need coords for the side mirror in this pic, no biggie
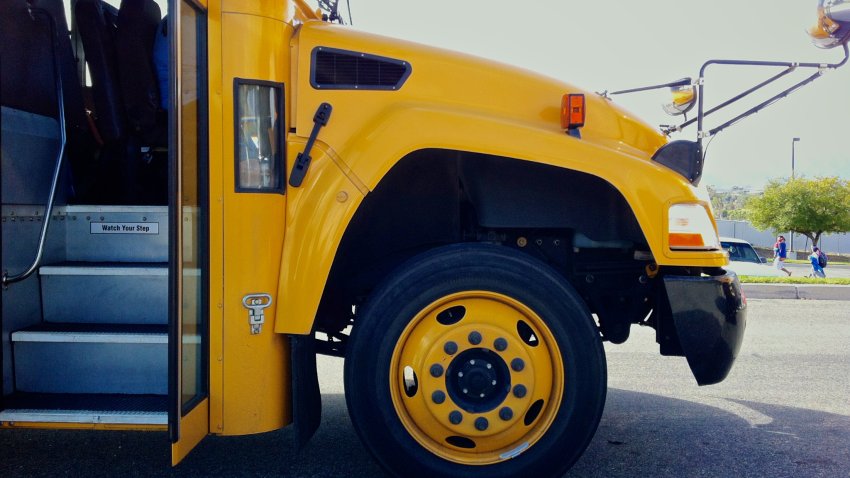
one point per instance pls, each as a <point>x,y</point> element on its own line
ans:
<point>763,260</point>
<point>684,97</point>
<point>833,24</point>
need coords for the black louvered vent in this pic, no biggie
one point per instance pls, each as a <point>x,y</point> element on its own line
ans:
<point>351,70</point>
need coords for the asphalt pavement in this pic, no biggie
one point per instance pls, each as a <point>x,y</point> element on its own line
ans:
<point>782,412</point>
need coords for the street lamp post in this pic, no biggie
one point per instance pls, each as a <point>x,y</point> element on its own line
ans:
<point>793,144</point>
<point>791,233</point>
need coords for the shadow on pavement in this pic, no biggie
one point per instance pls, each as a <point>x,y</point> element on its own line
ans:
<point>649,435</point>
<point>640,435</point>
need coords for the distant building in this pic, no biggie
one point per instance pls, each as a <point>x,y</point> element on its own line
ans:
<point>830,243</point>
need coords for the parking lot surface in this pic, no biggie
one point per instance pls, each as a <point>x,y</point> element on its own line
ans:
<point>782,412</point>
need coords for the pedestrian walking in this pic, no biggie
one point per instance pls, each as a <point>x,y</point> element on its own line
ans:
<point>815,259</point>
<point>780,253</point>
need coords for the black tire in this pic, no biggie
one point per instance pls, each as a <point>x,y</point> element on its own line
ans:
<point>454,269</point>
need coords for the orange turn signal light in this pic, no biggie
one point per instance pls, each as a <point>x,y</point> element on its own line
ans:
<point>572,111</point>
<point>685,240</point>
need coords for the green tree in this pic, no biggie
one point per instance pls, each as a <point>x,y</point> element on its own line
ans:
<point>729,204</point>
<point>806,206</point>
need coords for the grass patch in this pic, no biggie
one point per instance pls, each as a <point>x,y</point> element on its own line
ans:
<point>807,261</point>
<point>793,280</point>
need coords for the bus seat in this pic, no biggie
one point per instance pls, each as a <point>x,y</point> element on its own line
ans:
<point>75,111</point>
<point>26,78</point>
<point>138,21</point>
<point>29,144</point>
<point>30,48</point>
<point>81,143</point>
<point>98,31</point>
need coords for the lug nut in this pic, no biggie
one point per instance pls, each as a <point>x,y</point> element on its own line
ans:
<point>455,417</point>
<point>438,397</point>
<point>450,348</point>
<point>436,370</point>
<point>481,424</point>
<point>517,365</point>
<point>520,391</point>
<point>506,413</point>
<point>474,337</point>
<point>500,344</point>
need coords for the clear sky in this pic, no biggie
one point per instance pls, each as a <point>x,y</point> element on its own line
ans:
<point>610,45</point>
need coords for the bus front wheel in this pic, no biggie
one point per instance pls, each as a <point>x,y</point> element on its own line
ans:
<point>474,359</point>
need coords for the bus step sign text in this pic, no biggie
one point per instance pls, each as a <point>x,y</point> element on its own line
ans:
<point>125,228</point>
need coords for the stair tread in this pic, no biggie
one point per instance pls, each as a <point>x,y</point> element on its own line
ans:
<point>105,268</point>
<point>84,208</point>
<point>85,408</point>
<point>93,332</point>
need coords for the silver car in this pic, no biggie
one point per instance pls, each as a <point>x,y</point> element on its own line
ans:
<point>745,261</point>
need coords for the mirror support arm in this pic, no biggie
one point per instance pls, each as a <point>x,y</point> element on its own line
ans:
<point>731,100</point>
<point>790,67</point>
<point>682,82</point>
<point>766,103</point>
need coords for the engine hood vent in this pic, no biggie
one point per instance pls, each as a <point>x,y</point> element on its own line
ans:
<point>334,69</point>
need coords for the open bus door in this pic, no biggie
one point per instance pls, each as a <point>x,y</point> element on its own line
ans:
<point>188,288</point>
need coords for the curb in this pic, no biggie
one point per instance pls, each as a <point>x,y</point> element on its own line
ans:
<point>797,291</point>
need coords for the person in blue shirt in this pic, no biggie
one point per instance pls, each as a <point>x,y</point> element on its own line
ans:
<point>780,251</point>
<point>817,270</point>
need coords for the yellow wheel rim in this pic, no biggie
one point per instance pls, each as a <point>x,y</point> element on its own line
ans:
<point>476,378</point>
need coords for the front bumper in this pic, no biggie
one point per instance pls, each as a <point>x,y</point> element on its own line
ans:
<point>709,315</point>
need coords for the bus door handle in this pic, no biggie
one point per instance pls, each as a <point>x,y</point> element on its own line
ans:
<point>256,305</point>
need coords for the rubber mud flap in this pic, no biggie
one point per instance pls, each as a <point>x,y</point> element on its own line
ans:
<point>710,315</point>
<point>306,397</point>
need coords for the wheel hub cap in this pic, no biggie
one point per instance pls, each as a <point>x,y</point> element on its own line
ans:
<point>478,380</point>
<point>489,377</point>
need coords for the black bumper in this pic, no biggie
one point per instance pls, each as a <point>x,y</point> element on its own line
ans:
<point>709,315</point>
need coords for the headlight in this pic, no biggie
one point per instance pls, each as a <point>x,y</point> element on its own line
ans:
<point>690,228</point>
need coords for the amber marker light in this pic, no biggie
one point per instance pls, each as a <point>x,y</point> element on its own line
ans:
<point>572,111</point>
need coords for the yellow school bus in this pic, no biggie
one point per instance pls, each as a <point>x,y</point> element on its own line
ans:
<point>200,196</point>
